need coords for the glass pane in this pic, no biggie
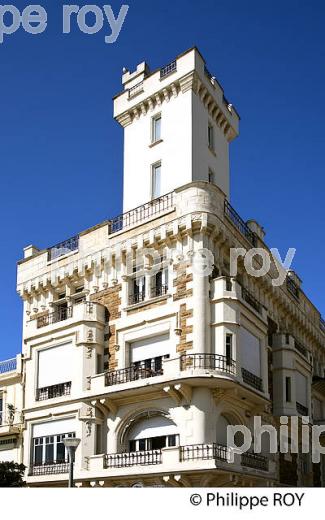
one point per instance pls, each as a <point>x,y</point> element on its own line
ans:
<point>156,182</point>
<point>49,453</point>
<point>38,455</point>
<point>157,129</point>
<point>60,452</point>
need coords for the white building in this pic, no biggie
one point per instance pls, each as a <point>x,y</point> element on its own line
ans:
<point>11,407</point>
<point>138,354</point>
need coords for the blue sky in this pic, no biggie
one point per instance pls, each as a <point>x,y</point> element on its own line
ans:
<point>61,151</point>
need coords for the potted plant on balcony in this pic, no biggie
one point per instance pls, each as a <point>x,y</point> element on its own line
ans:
<point>11,413</point>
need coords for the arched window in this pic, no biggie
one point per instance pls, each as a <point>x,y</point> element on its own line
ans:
<point>153,434</point>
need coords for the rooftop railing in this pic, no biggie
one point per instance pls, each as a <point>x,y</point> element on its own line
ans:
<point>208,362</point>
<point>168,69</point>
<point>252,380</point>
<point>141,213</point>
<point>63,248</point>
<point>136,458</point>
<point>232,214</point>
<point>9,365</point>
<point>135,90</point>
<point>322,324</point>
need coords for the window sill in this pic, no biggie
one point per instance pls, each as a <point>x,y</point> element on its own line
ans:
<point>151,145</point>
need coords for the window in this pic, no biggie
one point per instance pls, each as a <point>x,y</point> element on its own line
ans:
<point>250,352</point>
<point>50,449</point>
<point>54,370</point>
<point>288,389</point>
<point>156,128</point>
<point>211,177</point>
<point>156,181</point>
<point>210,137</point>
<point>138,290</point>
<point>160,283</point>
<point>1,409</point>
<point>228,348</point>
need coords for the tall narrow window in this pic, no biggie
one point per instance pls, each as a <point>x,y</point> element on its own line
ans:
<point>211,177</point>
<point>288,389</point>
<point>228,349</point>
<point>210,137</point>
<point>156,128</point>
<point>156,181</point>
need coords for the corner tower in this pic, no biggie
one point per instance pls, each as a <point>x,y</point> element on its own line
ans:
<point>177,129</point>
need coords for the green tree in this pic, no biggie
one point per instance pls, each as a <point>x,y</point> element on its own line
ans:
<point>11,474</point>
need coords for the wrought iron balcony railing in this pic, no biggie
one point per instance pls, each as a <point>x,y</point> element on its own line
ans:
<point>50,392</point>
<point>251,300</point>
<point>61,314</point>
<point>136,458</point>
<point>9,365</point>
<point>232,214</point>
<point>301,409</point>
<point>141,370</point>
<point>137,298</point>
<point>52,468</point>
<point>159,290</point>
<point>63,248</point>
<point>255,461</point>
<point>141,213</point>
<point>204,452</point>
<point>208,362</point>
<point>168,69</point>
<point>301,348</point>
<point>252,380</point>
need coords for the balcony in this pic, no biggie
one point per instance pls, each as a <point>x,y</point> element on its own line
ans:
<point>159,290</point>
<point>9,365</point>
<point>251,300</point>
<point>63,248</point>
<point>61,314</point>
<point>255,461</point>
<point>10,421</point>
<point>204,452</point>
<point>66,317</point>
<point>137,458</point>
<point>301,348</point>
<point>135,298</point>
<point>54,468</point>
<point>208,362</point>
<point>168,69</point>
<point>301,409</point>
<point>186,458</point>
<point>50,392</point>
<point>142,370</point>
<point>238,222</point>
<point>142,213</point>
<point>252,380</point>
